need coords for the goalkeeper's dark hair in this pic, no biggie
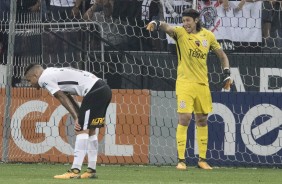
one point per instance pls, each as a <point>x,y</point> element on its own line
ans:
<point>194,14</point>
<point>30,67</point>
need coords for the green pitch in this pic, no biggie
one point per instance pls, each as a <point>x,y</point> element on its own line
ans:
<point>43,174</point>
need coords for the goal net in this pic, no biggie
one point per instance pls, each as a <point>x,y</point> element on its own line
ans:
<point>141,68</point>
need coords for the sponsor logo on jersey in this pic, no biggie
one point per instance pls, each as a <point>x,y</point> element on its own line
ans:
<point>197,53</point>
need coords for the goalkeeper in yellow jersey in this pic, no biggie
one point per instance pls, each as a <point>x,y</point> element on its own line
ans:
<point>193,43</point>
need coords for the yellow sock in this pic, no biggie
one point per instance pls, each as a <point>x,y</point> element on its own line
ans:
<point>202,139</point>
<point>181,139</point>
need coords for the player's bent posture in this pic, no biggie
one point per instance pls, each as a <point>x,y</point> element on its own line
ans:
<point>62,83</point>
<point>193,43</point>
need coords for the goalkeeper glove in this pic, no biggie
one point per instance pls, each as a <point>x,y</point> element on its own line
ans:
<point>226,81</point>
<point>153,25</point>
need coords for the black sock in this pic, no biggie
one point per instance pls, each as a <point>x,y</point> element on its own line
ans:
<point>90,170</point>
<point>181,160</point>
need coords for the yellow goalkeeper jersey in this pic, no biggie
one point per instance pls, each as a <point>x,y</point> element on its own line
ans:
<point>192,52</point>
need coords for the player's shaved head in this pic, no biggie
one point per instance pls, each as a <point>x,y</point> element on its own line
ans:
<point>32,68</point>
<point>32,74</point>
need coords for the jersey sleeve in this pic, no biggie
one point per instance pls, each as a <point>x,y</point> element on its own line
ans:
<point>214,43</point>
<point>178,32</point>
<point>47,82</point>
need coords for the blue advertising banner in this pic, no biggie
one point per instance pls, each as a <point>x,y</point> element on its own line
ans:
<point>244,130</point>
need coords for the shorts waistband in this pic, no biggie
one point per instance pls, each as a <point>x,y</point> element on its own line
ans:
<point>99,83</point>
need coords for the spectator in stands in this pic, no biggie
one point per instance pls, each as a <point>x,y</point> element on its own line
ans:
<point>240,5</point>
<point>60,40</point>
<point>27,9</point>
<point>129,12</point>
<point>61,10</point>
<point>23,8</point>
<point>80,6</point>
<point>36,6</point>
<point>113,33</point>
<point>101,11</point>
<point>267,17</point>
<point>122,12</point>
<point>227,6</point>
<point>105,6</point>
<point>271,24</point>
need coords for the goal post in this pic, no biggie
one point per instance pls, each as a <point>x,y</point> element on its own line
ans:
<point>141,69</point>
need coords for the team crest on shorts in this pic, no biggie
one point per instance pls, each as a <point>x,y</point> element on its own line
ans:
<point>182,104</point>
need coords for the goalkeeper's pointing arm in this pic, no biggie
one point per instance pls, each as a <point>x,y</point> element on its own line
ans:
<point>156,25</point>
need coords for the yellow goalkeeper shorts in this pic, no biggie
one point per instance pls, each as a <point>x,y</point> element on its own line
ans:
<point>193,97</point>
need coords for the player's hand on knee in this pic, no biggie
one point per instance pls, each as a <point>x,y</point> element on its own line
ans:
<point>226,79</point>
<point>77,126</point>
<point>153,25</point>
